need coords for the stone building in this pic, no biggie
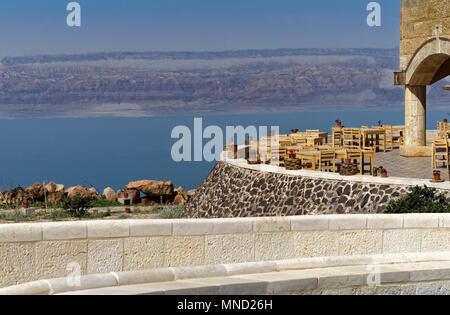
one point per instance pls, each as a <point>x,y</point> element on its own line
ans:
<point>424,60</point>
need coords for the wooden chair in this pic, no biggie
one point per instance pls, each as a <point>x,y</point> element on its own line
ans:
<point>367,155</point>
<point>314,141</point>
<point>300,141</point>
<point>352,138</point>
<point>356,157</point>
<point>362,158</point>
<point>393,139</point>
<point>443,130</point>
<point>337,137</point>
<point>327,161</point>
<point>278,155</point>
<point>440,153</point>
<point>308,162</point>
<point>265,149</point>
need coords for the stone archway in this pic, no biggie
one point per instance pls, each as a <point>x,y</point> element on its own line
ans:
<point>430,64</point>
<point>424,60</point>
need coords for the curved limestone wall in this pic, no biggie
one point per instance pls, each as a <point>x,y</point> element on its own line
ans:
<point>236,189</point>
<point>36,251</point>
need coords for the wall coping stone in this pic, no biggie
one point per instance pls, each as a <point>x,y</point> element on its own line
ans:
<point>419,267</point>
<point>51,231</point>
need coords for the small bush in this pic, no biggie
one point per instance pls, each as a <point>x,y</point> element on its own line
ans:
<point>171,213</point>
<point>420,200</point>
<point>77,206</point>
<point>103,203</point>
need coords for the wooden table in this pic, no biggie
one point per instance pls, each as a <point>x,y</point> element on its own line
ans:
<point>311,137</point>
<point>299,148</point>
<point>371,137</point>
<point>314,157</point>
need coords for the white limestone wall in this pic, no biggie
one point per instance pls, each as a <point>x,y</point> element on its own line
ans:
<point>35,251</point>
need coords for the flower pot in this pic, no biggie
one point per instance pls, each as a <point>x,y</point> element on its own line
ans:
<point>445,121</point>
<point>348,161</point>
<point>42,207</point>
<point>125,195</point>
<point>437,177</point>
<point>127,210</point>
<point>13,208</point>
<point>339,124</point>
<point>25,205</point>
<point>384,174</point>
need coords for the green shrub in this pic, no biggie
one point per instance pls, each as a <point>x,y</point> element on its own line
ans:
<point>103,203</point>
<point>77,206</point>
<point>171,213</point>
<point>420,200</point>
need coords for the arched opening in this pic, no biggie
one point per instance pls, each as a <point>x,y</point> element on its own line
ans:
<point>432,69</point>
<point>430,64</point>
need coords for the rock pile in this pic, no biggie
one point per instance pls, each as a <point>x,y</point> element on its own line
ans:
<point>155,192</point>
<point>147,192</point>
<point>35,193</point>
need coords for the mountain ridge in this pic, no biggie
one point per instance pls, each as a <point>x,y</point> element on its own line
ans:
<point>175,83</point>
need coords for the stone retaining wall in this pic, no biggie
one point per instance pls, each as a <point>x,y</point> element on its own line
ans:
<point>35,251</point>
<point>235,189</point>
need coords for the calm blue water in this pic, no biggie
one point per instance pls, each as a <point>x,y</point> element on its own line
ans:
<point>114,151</point>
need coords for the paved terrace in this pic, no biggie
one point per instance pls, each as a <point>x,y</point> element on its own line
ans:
<point>407,167</point>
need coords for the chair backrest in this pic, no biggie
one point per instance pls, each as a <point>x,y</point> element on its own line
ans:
<point>353,154</point>
<point>441,143</point>
<point>389,130</point>
<point>307,148</point>
<point>300,141</point>
<point>327,155</point>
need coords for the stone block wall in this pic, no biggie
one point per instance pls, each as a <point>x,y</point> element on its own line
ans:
<point>418,20</point>
<point>233,189</point>
<point>36,251</point>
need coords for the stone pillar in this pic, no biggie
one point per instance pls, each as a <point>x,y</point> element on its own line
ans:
<point>415,121</point>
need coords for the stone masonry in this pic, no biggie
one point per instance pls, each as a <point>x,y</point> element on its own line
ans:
<point>232,191</point>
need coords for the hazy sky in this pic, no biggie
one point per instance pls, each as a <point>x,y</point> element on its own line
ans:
<point>39,26</point>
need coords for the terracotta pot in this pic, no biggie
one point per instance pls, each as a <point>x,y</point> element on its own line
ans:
<point>13,208</point>
<point>445,121</point>
<point>384,174</point>
<point>127,210</point>
<point>125,196</point>
<point>437,177</point>
<point>339,124</point>
<point>348,161</point>
<point>42,207</point>
<point>25,205</point>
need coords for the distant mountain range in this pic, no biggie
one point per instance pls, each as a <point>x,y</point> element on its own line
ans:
<point>170,83</point>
